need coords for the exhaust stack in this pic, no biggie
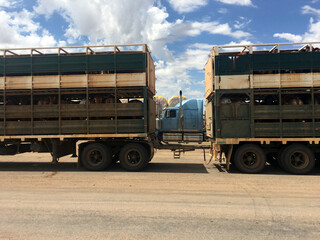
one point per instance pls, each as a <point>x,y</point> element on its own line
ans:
<point>180,113</point>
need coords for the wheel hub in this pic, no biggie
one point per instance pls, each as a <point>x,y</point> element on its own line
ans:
<point>134,157</point>
<point>96,157</point>
<point>298,160</point>
<point>249,158</point>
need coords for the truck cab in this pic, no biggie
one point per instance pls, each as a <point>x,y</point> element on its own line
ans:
<point>182,123</point>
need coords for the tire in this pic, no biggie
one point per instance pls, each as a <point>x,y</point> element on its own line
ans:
<point>8,150</point>
<point>249,158</point>
<point>134,157</point>
<point>280,156</point>
<point>298,159</point>
<point>96,157</point>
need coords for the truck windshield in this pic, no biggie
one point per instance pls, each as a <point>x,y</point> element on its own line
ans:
<point>171,114</point>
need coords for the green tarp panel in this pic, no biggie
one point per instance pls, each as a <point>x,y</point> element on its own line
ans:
<point>284,61</point>
<point>42,65</point>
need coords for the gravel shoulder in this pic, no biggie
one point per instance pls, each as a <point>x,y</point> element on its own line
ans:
<point>172,199</point>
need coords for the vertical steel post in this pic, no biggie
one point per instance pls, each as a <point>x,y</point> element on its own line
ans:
<point>115,91</point>
<point>59,92</point>
<point>280,112</point>
<point>4,94</point>
<point>145,104</point>
<point>87,95</point>
<point>313,113</point>
<point>31,95</point>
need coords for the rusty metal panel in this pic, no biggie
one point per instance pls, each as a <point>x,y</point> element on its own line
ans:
<point>266,112</point>
<point>209,77</point>
<point>151,78</point>
<point>297,129</point>
<point>102,126</point>
<point>45,111</point>
<point>18,127</point>
<point>235,128</point>
<point>18,112</point>
<point>265,129</point>
<point>303,112</point>
<point>131,126</point>
<point>152,115</point>
<point>122,109</point>
<point>73,110</point>
<point>45,127</point>
<point>210,120</point>
<point>73,126</point>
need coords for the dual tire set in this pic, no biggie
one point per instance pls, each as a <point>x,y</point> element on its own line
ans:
<point>99,156</point>
<point>295,158</point>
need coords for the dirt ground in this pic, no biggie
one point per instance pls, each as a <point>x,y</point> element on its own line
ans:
<point>171,199</point>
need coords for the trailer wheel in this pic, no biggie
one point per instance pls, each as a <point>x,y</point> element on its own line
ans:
<point>96,157</point>
<point>250,158</point>
<point>280,156</point>
<point>298,159</point>
<point>134,157</point>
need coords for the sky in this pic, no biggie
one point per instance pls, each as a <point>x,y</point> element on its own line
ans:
<point>179,33</point>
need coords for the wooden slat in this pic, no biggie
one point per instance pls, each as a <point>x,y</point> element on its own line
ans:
<point>296,80</point>
<point>316,79</point>
<point>73,81</point>
<point>77,81</point>
<point>234,82</point>
<point>40,82</point>
<point>18,82</point>
<point>131,79</point>
<point>2,82</point>
<point>266,81</point>
<point>102,80</point>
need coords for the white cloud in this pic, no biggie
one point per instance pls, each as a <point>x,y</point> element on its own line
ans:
<point>173,75</point>
<point>113,22</point>
<point>313,33</point>
<point>196,28</point>
<point>310,10</point>
<point>8,3</point>
<point>223,11</point>
<point>237,2</point>
<point>241,23</point>
<point>183,6</point>
<point>103,22</point>
<point>18,29</point>
<point>289,36</point>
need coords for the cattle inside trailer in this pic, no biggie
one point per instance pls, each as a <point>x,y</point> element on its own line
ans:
<point>99,96</point>
<point>263,105</point>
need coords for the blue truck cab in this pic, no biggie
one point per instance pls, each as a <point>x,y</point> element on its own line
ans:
<point>183,123</point>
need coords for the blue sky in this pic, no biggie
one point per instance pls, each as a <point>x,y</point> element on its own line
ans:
<point>180,33</point>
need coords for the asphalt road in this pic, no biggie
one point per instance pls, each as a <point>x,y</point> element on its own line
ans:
<point>172,199</point>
